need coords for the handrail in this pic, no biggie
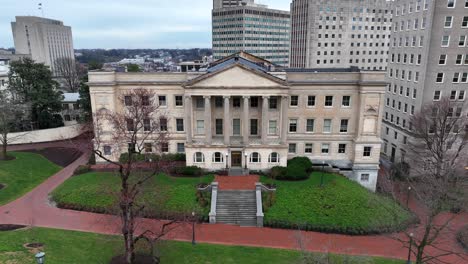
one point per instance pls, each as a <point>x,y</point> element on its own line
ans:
<point>214,198</point>
<point>258,196</point>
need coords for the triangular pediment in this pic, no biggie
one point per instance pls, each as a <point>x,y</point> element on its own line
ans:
<point>237,76</point>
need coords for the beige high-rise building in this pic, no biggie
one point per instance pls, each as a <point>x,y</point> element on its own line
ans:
<point>340,33</point>
<point>46,40</point>
<point>250,27</point>
<point>239,115</point>
<point>428,61</point>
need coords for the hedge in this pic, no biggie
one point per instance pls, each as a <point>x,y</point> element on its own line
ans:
<point>190,171</point>
<point>154,157</point>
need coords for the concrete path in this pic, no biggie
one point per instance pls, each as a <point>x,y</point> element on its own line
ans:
<point>35,209</point>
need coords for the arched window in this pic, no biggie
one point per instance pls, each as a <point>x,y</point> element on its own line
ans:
<point>198,157</point>
<point>274,158</point>
<point>255,157</point>
<point>218,157</point>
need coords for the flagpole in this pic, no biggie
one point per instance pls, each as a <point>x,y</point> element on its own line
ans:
<point>40,8</point>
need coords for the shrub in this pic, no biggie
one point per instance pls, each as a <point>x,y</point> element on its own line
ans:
<point>204,198</point>
<point>462,237</point>
<point>278,172</point>
<point>301,161</point>
<point>82,169</point>
<point>268,199</point>
<point>191,171</point>
<point>296,172</point>
<point>154,157</point>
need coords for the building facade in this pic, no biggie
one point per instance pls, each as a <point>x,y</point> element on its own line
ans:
<point>239,115</point>
<point>252,28</point>
<point>45,40</point>
<point>428,61</point>
<point>340,33</point>
<point>230,3</point>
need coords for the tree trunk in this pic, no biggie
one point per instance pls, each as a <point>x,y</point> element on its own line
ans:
<point>127,231</point>
<point>3,154</point>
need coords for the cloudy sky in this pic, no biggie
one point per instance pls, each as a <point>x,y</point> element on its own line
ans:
<point>122,23</point>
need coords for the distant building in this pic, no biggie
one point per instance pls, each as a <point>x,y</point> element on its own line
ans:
<point>256,29</point>
<point>428,61</point>
<point>70,108</point>
<point>6,57</point>
<point>340,33</point>
<point>46,40</point>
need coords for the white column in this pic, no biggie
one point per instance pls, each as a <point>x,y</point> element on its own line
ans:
<point>188,118</point>
<point>265,117</point>
<point>227,121</point>
<point>208,132</point>
<point>284,119</point>
<point>245,121</point>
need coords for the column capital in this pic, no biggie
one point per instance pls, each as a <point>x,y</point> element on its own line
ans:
<point>284,97</point>
<point>265,96</point>
<point>246,96</point>
<point>226,96</point>
<point>207,96</point>
<point>187,96</point>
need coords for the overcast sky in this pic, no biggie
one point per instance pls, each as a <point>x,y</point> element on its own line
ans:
<point>123,23</point>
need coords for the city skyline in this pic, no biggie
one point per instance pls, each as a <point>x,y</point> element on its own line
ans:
<point>125,25</point>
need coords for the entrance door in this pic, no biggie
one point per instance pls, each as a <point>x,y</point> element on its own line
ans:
<point>392,157</point>
<point>236,159</point>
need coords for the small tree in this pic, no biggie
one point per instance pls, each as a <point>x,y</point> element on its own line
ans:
<point>85,101</point>
<point>70,71</point>
<point>133,67</point>
<point>11,114</point>
<point>437,156</point>
<point>141,125</point>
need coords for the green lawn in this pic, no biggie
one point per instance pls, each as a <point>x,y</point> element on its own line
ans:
<point>73,247</point>
<point>165,196</point>
<point>341,206</point>
<point>24,173</point>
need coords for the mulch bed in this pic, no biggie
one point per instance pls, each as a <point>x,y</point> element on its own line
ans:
<point>60,156</point>
<point>7,227</point>
<point>140,259</point>
<point>34,245</point>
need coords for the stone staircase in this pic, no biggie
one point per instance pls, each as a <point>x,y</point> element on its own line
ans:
<point>236,207</point>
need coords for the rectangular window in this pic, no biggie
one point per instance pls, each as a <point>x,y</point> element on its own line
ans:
<point>365,177</point>
<point>327,125</point>
<point>367,151</point>
<point>308,148</point>
<point>442,59</point>
<point>146,125</point>
<point>325,148</point>
<point>311,100</point>
<point>130,125</point>
<point>162,100</point>
<point>272,127</point>
<point>440,77</point>
<point>131,148</point>
<point>456,77</point>
<point>459,59</point>
<point>341,148</point>
<point>107,150</point>
<point>163,124</point>
<point>180,148</point>
<point>128,100</point>
<point>253,127</point>
<point>200,102</point>
<point>218,102</point>
<point>164,147</point>
<point>453,95</point>
<point>465,22</point>
<point>344,126</point>
<point>180,125</point>
<point>179,100</point>
<point>200,127</point>
<point>219,126</point>
<point>451,3</point>
<point>461,41</point>
<point>346,101</point>
<point>328,101</point>
<point>236,127</point>
<point>292,125</point>
<point>292,148</point>
<point>445,41</point>
<point>464,77</point>
<point>148,147</point>
<point>310,125</point>
<point>294,100</point>
<point>254,102</point>
<point>236,102</point>
<point>461,95</point>
<point>437,95</point>
<point>273,103</point>
<point>448,21</point>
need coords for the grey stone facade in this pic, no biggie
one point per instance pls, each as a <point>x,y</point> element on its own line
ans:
<point>428,61</point>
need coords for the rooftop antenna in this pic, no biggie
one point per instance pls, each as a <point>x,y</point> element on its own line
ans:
<point>40,8</point>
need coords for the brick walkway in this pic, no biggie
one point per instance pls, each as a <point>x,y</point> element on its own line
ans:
<point>34,209</point>
<point>237,182</point>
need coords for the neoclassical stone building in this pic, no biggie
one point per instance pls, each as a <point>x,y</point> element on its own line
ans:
<point>241,114</point>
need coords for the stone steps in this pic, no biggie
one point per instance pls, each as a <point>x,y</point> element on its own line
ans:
<point>237,208</point>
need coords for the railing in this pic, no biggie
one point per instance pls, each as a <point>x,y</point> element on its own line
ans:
<point>258,196</point>
<point>214,198</point>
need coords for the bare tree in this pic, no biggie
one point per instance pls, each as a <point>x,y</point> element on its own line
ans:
<point>142,126</point>
<point>11,114</point>
<point>70,71</point>
<point>437,179</point>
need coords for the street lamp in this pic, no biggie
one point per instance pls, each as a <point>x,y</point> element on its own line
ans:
<point>245,155</point>
<point>227,156</point>
<point>407,197</point>
<point>193,229</point>
<point>409,251</point>
<point>40,257</point>
<point>321,176</point>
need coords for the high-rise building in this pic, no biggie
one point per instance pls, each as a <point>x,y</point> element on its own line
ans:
<point>428,61</point>
<point>340,33</point>
<point>256,29</point>
<point>46,40</point>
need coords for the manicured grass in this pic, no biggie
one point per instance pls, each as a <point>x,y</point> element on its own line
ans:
<point>73,247</point>
<point>340,206</point>
<point>24,173</point>
<point>164,196</point>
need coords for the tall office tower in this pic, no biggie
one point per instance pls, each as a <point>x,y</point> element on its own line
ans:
<point>340,33</point>
<point>253,28</point>
<point>229,3</point>
<point>46,40</point>
<point>428,61</point>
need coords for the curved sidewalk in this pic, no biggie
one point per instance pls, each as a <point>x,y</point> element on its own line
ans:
<point>35,209</point>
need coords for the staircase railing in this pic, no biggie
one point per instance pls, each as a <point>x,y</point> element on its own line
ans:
<point>214,198</point>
